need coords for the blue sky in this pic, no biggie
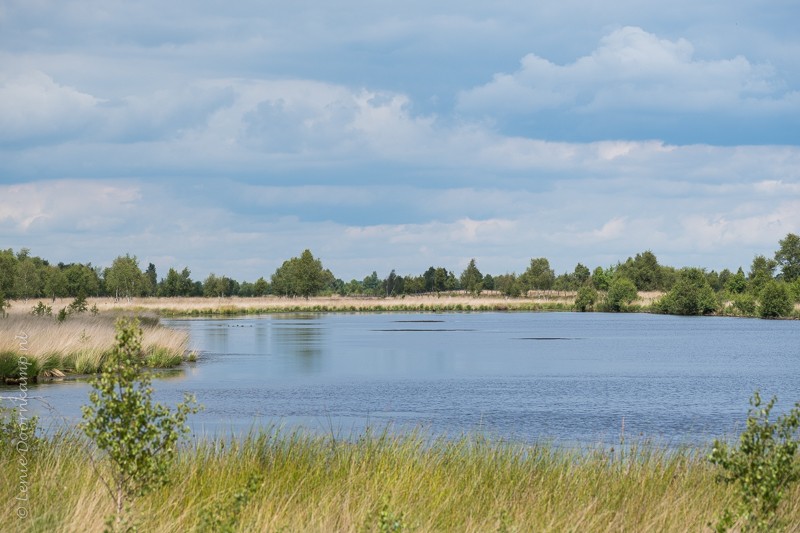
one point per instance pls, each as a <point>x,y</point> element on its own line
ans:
<point>379,135</point>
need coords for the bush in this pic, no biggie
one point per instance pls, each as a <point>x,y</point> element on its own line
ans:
<point>745,304</point>
<point>136,436</point>
<point>42,310</point>
<point>621,293</point>
<point>3,305</point>
<point>586,298</point>
<point>775,300</point>
<point>691,295</point>
<point>762,468</point>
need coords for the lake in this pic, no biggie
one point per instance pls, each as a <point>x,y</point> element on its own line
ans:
<point>572,378</point>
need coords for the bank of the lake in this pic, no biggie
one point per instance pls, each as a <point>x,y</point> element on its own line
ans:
<point>272,481</point>
<point>36,347</point>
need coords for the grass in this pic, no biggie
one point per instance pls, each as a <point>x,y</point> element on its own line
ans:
<point>78,345</point>
<point>277,481</point>
<point>445,302</point>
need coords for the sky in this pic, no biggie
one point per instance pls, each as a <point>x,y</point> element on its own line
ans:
<point>230,136</point>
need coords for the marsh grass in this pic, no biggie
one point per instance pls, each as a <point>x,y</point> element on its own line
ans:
<point>277,481</point>
<point>444,302</point>
<point>79,344</point>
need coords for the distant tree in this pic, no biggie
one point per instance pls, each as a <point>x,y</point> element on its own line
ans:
<point>300,276</point>
<point>621,292</point>
<point>28,282</point>
<point>219,286</point>
<point>508,284</point>
<point>761,271</point>
<point>581,275</point>
<point>124,279</point>
<point>260,287</point>
<point>171,285</point>
<point>55,283</point>
<point>601,279</point>
<point>691,295</point>
<point>8,271</point>
<point>391,285</point>
<point>81,279</point>
<point>737,283</point>
<point>788,257</point>
<point>643,270</point>
<point>538,276</point>
<point>371,284</point>
<point>776,300</point>
<point>151,280</point>
<point>488,282</point>
<point>586,298</point>
<point>472,279</point>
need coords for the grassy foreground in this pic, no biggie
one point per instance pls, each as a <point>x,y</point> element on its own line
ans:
<point>273,481</point>
<point>77,345</point>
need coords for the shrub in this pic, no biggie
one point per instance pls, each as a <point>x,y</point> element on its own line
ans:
<point>762,468</point>
<point>745,304</point>
<point>586,298</point>
<point>621,292</point>
<point>78,305</point>
<point>691,295</point>
<point>775,300</point>
<point>136,436</point>
<point>42,310</point>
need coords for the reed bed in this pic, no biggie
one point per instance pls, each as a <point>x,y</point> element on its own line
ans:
<point>277,481</point>
<point>79,344</point>
<point>451,302</point>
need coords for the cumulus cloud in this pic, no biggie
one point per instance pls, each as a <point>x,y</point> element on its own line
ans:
<point>633,69</point>
<point>34,106</point>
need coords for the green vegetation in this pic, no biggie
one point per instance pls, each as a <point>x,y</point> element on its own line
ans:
<point>689,291</point>
<point>690,295</point>
<point>271,480</point>
<point>586,298</point>
<point>762,468</point>
<point>135,437</point>
<point>621,293</point>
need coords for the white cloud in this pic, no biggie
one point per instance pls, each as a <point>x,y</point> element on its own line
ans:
<point>33,105</point>
<point>633,69</point>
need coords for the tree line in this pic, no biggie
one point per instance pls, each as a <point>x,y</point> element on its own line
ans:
<point>688,290</point>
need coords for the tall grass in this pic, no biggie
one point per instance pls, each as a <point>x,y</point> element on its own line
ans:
<point>277,481</point>
<point>79,344</point>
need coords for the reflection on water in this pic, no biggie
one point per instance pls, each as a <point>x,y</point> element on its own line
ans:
<point>523,376</point>
<point>300,338</point>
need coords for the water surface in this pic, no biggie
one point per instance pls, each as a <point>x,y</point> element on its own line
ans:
<point>568,377</point>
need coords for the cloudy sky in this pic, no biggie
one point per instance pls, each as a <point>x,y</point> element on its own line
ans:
<point>229,136</point>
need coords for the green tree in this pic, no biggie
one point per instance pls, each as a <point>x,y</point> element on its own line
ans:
<point>538,276</point>
<point>761,271</point>
<point>763,467</point>
<point>124,279</point>
<point>28,282</point>
<point>472,279</point>
<point>81,279</point>
<point>219,286</point>
<point>151,280</point>
<point>621,293</point>
<point>691,295</point>
<point>55,283</point>
<point>788,257</point>
<point>300,276</point>
<point>776,301</point>
<point>601,279</point>
<point>586,298</point>
<point>737,283</point>
<point>371,284</point>
<point>260,287</point>
<point>643,270</point>
<point>136,437</point>
<point>8,271</point>
<point>508,284</point>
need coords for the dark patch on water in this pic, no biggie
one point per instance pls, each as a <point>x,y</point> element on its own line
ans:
<point>420,329</point>
<point>417,321</point>
<point>546,338</point>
